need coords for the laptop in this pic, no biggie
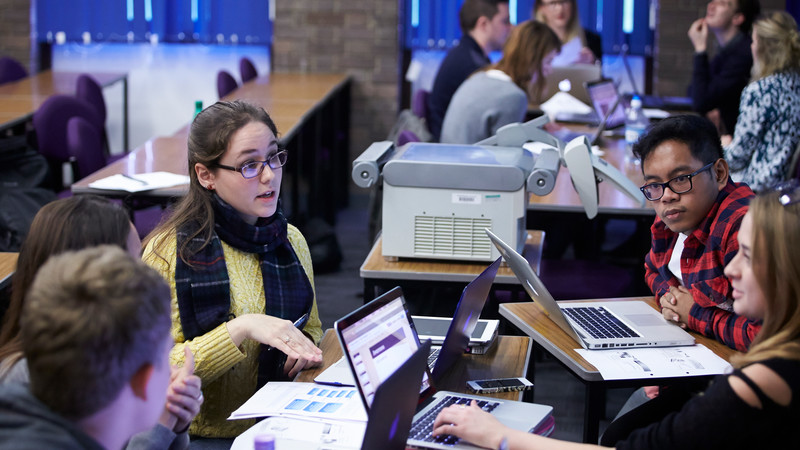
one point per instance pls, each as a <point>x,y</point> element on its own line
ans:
<point>608,108</point>
<point>596,325</point>
<point>577,75</point>
<point>392,411</point>
<point>459,332</point>
<point>380,336</point>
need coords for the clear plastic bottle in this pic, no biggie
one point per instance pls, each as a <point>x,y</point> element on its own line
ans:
<point>635,126</point>
<point>198,106</point>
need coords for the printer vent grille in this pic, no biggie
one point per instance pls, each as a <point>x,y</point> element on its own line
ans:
<point>452,237</point>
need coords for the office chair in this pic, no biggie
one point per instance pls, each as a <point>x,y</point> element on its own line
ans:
<point>90,91</point>
<point>225,83</point>
<point>11,70</point>
<point>247,69</point>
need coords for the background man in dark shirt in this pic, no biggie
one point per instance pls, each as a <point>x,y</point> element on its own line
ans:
<point>485,26</point>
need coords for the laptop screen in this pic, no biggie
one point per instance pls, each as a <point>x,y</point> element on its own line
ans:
<point>378,343</point>
<point>604,96</point>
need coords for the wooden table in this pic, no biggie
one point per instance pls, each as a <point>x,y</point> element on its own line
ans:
<point>311,113</point>
<point>8,264</point>
<point>380,273</point>
<point>508,358</point>
<point>20,99</point>
<point>530,319</point>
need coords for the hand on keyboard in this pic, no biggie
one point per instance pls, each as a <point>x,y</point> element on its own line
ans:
<point>472,423</point>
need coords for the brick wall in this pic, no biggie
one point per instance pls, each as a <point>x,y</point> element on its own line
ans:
<point>15,30</point>
<point>673,61</point>
<point>359,38</point>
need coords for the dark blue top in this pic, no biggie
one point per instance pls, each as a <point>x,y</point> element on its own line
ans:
<point>460,63</point>
<point>719,84</point>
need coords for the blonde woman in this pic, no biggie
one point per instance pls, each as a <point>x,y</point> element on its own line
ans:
<point>755,406</point>
<point>562,17</point>
<point>768,129</point>
<point>497,95</point>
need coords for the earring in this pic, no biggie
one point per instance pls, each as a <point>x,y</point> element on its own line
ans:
<point>210,187</point>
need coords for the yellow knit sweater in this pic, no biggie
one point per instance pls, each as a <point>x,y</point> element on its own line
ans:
<point>229,373</point>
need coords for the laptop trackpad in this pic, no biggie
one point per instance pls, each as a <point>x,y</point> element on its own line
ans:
<point>645,320</point>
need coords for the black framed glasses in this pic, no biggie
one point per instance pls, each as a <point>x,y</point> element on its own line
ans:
<point>254,168</point>
<point>555,3</point>
<point>679,185</point>
<point>788,192</point>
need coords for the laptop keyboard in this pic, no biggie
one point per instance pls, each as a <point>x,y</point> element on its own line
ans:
<point>422,429</point>
<point>599,323</point>
<point>433,356</point>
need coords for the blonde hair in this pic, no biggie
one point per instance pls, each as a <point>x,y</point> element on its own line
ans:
<point>776,266</point>
<point>777,46</point>
<point>530,42</point>
<point>574,28</point>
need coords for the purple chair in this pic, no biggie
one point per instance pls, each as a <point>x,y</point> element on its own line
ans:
<point>419,103</point>
<point>90,91</point>
<point>85,147</point>
<point>11,70</point>
<point>405,137</point>
<point>571,279</point>
<point>247,69</point>
<point>225,83</point>
<point>50,126</point>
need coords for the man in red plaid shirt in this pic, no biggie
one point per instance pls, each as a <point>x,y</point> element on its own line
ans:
<point>694,236</point>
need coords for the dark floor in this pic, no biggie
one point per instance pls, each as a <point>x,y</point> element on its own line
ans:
<point>340,292</point>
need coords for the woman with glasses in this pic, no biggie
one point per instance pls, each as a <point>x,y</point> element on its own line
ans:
<point>767,132</point>
<point>241,276</point>
<point>578,44</point>
<point>755,405</point>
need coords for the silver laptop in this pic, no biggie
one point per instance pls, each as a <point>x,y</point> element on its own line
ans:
<point>577,74</point>
<point>596,325</point>
<point>609,112</point>
<point>379,337</point>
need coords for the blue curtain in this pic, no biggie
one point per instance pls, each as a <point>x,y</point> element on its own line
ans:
<point>433,24</point>
<point>204,21</point>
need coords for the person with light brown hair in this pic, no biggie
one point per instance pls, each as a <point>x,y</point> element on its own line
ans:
<point>497,95</point>
<point>95,335</point>
<point>562,17</point>
<point>768,130</point>
<point>753,407</point>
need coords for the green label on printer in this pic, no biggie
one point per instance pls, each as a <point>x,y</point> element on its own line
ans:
<point>466,198</point>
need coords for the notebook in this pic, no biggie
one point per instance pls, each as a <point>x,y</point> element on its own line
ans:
<point>598,325</point>
<point>379,337</point>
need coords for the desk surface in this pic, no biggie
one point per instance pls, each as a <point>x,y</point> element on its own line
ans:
<point>507,358</point>
<point>533,322</point>
<point>376,266</point>
<point>8,264</point>
<point>21,98</point>
<point>288,98</point>
<point>611,200</point>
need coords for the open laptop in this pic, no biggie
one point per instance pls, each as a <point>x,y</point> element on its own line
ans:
<point>609,112</point>
<point>379,337</point>
<point>577,75</point>
<point>596,325</point>
<point>460,330</point>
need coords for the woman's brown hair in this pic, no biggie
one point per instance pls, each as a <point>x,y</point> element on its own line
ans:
<point>524,53</point>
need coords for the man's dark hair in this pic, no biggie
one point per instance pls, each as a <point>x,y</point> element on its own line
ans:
<point>472,10</point>
<point>697,132</point>
<point>750,9</point>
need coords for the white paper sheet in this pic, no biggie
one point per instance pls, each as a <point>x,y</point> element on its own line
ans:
<point>303,400</point>
<point>562,102</point>
<point>139,182</point>
<point>300,434</point>
<point>338,374</point>
<point>634,363</point>
<point>569,52</point>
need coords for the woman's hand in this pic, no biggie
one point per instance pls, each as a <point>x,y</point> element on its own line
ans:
<point>184,396</point>
<point>294,366</point>
<point>277,333</point>
<point>585,56</point>
<point>470,423</point>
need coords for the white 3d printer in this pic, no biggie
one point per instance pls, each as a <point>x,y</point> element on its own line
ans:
<point>438,198</point>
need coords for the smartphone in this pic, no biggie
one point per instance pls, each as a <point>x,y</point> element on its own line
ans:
<point>499,385</point>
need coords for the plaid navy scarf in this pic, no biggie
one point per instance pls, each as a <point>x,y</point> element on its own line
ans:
<point>203,289</point>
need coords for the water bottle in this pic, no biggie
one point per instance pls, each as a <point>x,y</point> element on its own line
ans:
<point>635,126</point>
<point>264,442</point>
<point>198,106</point>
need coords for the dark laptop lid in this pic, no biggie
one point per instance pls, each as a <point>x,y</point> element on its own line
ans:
<point>465,319</point>
<point>395,402</point>
<point>606,102</point>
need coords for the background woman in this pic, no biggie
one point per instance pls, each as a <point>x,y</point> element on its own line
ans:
<point>76,223</point>
<point>497,95</point>
<point>768,129</point>
<point>578,45</point>
<point>239,274</point>
<point>753,407</point>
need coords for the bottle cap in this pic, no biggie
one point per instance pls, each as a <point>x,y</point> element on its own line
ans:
<point>264,442</point>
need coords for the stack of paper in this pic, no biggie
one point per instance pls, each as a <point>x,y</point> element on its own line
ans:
<point>663,362</point>
<point>139,182</point>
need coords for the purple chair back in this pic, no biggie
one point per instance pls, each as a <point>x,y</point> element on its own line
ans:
<point>419,103</point>
<point>85,145</point>
<point>405,137</point>
<point>247,69</point>
<point>225,83</point>
<point>87,89</point>
<point>11,70</point>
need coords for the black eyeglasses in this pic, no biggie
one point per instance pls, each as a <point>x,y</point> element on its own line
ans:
<point>254,168</point>
<point>553,4</point>
<point>679,185</point>
<point>788,192</point>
